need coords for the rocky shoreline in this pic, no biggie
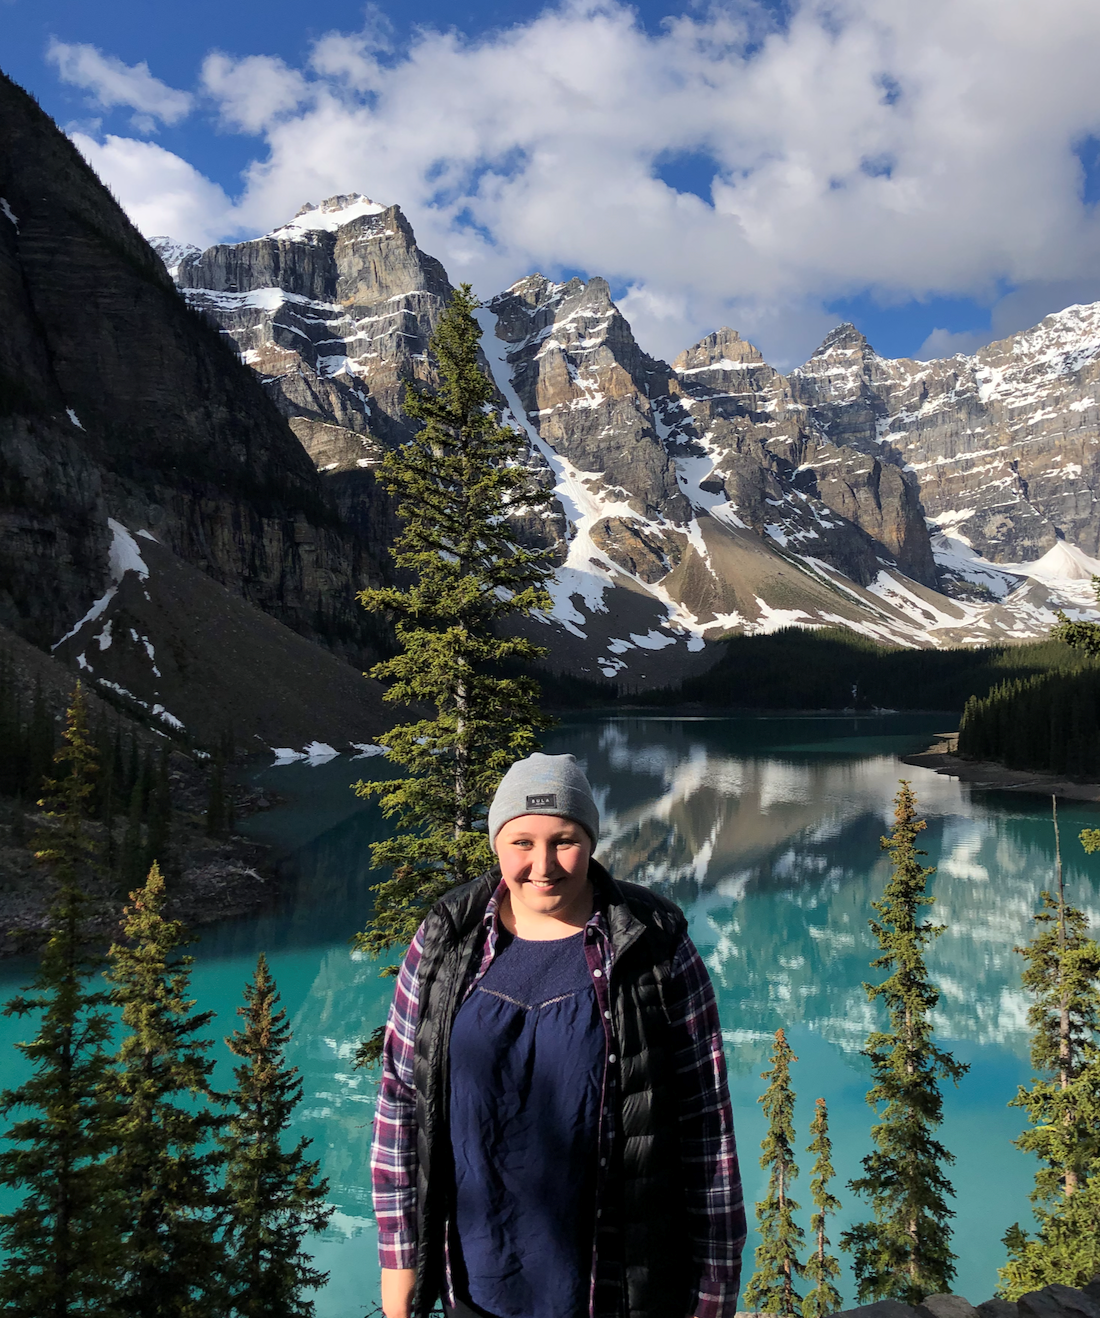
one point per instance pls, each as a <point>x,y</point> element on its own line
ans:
<point>208,879</point>
<point>1053,1301</point>
<point>943,757</point>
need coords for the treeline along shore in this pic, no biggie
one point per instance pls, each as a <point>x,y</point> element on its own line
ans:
<point>158,782</point>
<point>155,797</point>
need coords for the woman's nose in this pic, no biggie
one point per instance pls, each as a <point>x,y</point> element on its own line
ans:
<point>545,860</point>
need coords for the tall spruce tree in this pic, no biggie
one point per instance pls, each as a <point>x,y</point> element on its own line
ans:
<point>166,1164</point>
<point>459,483</point>
<point>821,1267</point>
<point>275,1197</point>
<point>772,1286</point>
<point>61,1240</point>
<point>1062,975</point>
<point>905,1253</point>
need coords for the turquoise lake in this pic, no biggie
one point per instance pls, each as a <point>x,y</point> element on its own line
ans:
<point>766,831</point>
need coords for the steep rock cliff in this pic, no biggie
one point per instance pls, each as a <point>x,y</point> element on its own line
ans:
<point>119,402</point>
<point>334,311</point>
<point>783,472</point>
<point>1002,445</point>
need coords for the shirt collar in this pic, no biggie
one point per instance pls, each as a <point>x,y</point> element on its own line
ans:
<point>491,919</point>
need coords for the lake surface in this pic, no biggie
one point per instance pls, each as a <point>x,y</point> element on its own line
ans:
<point>766,831</point>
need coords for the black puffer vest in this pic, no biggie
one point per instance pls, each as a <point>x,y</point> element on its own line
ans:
<point>648,1202</point>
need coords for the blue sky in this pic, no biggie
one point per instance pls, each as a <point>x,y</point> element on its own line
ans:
<point>929,169</point>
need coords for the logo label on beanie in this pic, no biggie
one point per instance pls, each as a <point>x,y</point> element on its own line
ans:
<point>548,800</point>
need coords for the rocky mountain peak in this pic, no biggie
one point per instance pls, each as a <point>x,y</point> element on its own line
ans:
<point>845,339</point>
<point>838,375</point>
<point>583,381</point>
<point>334,311</point>
<point>717,349</point>
<point>331,214</point>
<point>173,252</point>
<point>663,471</point>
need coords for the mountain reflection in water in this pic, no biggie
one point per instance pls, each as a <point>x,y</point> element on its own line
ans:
<point>775,853</point>
<point>767,832</point>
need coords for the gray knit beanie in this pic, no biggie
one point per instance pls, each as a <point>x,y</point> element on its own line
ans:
<point>544,785</point>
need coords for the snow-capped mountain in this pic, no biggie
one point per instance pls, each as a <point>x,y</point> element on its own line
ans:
<point>923,503</point>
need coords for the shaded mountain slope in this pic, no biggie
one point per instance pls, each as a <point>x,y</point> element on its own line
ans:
<point>118,403</point>
<point>117,400</point>
<point>188,654</point>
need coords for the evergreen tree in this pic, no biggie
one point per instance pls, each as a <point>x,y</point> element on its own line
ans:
<point>165,1165</point>
<point>905,1253</point>
<point>1062,975</point>
<point>821,1268</point>
<point>61,1240</point>
<point>274,1197</point>
<point>771,1289</point>
<point>458,482</point>
<point>1084,636</point>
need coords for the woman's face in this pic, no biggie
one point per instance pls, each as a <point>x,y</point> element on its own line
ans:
<point>544,861</point>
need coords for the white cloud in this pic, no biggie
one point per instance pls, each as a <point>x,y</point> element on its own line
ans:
<point>111,82</point>
<point>947,343</point>
<point>1019,310</point>
<point>915,148</point>
<point>254,92</point>
<point>162,194</point>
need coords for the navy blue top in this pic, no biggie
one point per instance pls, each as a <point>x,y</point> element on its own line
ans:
<point>527,1061</point>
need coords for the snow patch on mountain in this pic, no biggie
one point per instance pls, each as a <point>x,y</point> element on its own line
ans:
<point>125,556</point>
<point>587,572</point>
<point>173,252</point>
<point>264,299</point>
<point>329,216</point>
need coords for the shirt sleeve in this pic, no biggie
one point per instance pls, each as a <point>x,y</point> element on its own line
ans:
<point>712,1178</point>
<point>393,1157</point>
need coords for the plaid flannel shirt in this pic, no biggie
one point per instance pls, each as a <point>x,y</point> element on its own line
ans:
<point>712,1184</point>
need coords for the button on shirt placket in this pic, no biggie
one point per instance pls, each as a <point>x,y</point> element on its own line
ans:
<point>598,952</point>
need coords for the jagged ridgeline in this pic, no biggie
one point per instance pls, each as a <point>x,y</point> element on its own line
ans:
<point>906,501</point>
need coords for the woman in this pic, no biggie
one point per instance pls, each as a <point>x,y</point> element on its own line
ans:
<point>554,1136</point>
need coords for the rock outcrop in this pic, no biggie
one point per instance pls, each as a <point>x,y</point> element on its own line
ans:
<point>1055,1301</point>
<point>334,311</point>
<point>780,466</point>
<point>1003,445</point>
